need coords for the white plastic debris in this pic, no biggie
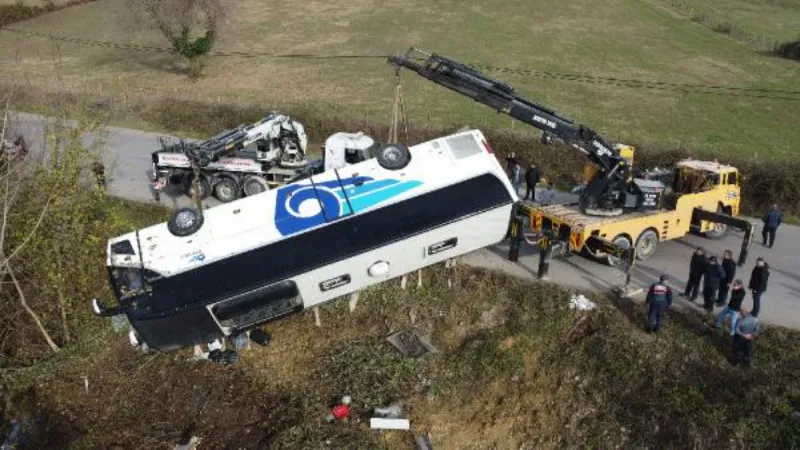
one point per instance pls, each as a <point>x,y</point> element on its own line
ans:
<point>581,302</point>
<point>389,424</point>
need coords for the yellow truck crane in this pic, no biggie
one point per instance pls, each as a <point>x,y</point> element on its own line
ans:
<point>617,214</point>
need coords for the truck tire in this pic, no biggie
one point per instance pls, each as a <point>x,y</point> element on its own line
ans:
<point>646,244</point>
<point>185,222</point>
<point>622,241</point>
<point>393,156</point>
<point>226,190</point>
<point>205,188</point>
<point>254,185</point>
<point>720,230</point>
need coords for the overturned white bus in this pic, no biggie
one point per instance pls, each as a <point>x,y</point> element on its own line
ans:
<point>198,278</point>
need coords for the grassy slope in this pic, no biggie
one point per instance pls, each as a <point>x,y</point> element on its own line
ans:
<point>617,38</point>
<point>516,367</point>
<point>774,19</point>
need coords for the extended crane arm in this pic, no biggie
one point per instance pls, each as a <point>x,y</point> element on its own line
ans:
<point>614,171</point>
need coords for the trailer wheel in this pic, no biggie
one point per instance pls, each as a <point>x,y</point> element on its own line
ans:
<point>646,244</point>
<point>393,156</point>
<point>185,221</point>
<point>621,241</point>
<point>253,185</point>
<point>226,190</point>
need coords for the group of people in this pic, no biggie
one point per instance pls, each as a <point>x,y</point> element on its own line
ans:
<point>532,177</point>
<point>721,288</point>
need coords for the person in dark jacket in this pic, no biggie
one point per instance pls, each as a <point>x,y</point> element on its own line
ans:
<point>729,267</point>
<point>734,307</point>
<point>532,177</point>
<point>696,270</point>
<point>772,220</point>
<point>747,329</point>
<point>659,298</point>
<point>711,283</point>
<point>758,284</point>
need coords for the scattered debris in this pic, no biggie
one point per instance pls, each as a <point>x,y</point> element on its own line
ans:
<point>191,445</point>
<point>581,302</point>
<point>86,383</point>
<point>377,423</point>
<point>411,343</point>
<point>260,337</point>
<point>393,411</point>
<point>423,441</point>
<point>241,341</point>
<point>224,357</point>
<point>317,320</point>
<point>341,411</point>
<point>119,323</point>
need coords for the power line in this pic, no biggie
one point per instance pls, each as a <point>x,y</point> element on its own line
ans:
<point>725,91</point>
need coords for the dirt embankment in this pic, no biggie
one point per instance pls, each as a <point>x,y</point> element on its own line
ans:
<point>515,368</point>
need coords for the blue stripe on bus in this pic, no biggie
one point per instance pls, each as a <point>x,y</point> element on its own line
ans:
<point>365,201</point>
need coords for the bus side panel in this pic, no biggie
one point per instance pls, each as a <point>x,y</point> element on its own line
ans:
<point>169,332</point>
<point>470,234</point>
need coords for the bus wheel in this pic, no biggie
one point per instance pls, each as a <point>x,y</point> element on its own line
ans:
<point>254,185</point>
<point>646,244</point>
<point>393,156</point>
<point>226,190</point>
<point>185,221</point>
<point>620,241</point>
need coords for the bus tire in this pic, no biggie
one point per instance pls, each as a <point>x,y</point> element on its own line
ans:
<point>254,185</point>
<point>226,190</point>
<point>393,156</point>
<point>621,240</point>
<point>185,222</point>
<point>646,244</point>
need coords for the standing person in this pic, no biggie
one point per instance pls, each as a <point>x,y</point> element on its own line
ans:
<point>511,162</point>
<point>734,307</point>
<point>696,270</point>
<point>713,279</point>
<point>772,220</point>
<point>532,177</point>
<point>747,329</point>
<point>659,298</point>
<point>729,267</point>
<point>517,178</point>
<point>758,284</point>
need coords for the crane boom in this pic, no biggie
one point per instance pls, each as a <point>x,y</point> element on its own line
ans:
<point>609,192</point>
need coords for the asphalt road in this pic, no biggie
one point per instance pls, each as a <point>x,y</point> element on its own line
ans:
<point>127,159</point>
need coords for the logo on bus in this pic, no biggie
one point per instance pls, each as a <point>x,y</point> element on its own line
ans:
<point>303,206</point>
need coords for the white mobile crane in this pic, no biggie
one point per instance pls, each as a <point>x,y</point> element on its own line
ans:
<point>248,159</point>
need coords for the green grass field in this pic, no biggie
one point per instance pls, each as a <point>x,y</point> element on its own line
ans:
<point>637,39</point>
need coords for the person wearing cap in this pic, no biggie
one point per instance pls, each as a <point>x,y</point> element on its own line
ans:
<point>659,298</point>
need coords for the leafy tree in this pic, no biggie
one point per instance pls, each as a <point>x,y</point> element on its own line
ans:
<point>190,26</point>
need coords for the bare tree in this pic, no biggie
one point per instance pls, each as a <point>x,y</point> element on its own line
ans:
<point>190,26</point>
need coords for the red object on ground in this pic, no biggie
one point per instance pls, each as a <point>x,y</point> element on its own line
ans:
<point>340,411</point>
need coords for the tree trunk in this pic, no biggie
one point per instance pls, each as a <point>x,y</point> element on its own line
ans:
<point>31,312</point>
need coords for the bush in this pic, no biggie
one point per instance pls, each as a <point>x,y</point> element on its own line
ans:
<point>788,50</point>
